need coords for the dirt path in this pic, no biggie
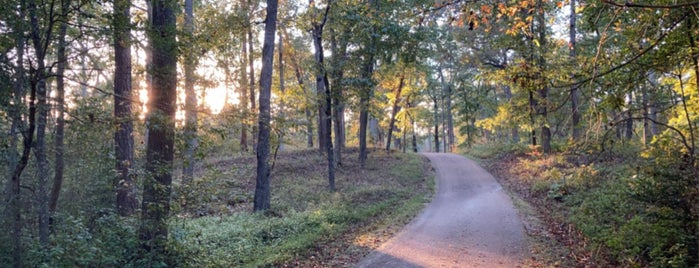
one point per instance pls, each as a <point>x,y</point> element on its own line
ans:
<point>470,223</point>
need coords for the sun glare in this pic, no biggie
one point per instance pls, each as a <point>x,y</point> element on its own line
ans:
<point>215,99</point>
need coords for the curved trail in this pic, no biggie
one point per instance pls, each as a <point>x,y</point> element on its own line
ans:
<point>470,223</point>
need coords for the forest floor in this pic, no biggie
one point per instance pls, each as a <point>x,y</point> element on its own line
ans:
<point>308,226</point>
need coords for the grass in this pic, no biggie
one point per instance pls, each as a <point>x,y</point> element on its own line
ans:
<point>308,225</point>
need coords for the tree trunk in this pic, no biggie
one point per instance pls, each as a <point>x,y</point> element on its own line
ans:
<point>367,89</point>
<point>339,53</point>
<point>629,119</point>
<point>515,128</point>
<point>243,98</point>
<point>574,95</point>
<point>394,111</point>
<point>326,106</point>
<point>251,61</point>
<point>364,98</point>
<point>309,116</point>
<point>124,184</point>
<point>282,104</point>
<point>262,192</point>
<point>60,108</point>
<point>543,91</point>
<point>190,103</point>
<point>18,162</point>
<point>42,112</point>
<point>436,124</point>
<point>157,186</point>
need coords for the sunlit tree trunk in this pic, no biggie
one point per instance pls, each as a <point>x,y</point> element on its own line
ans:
<point>395,109</point>
<point>262,191</point>
<point>190,105</point>
<point>157,184</point>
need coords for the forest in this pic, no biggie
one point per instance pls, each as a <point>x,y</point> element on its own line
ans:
<point>247,133</point>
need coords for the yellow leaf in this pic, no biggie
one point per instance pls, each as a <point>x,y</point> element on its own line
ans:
<point>536,42</point>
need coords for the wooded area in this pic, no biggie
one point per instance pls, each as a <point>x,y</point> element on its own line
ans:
<point>114,111</point>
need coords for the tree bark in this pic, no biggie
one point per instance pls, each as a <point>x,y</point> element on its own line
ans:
<point>262,191</point>
<point>190,105</point>
<point>157,185</point>
<point>124,184</point>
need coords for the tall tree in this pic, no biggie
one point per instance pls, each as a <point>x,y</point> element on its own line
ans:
<point>190,105</point>
<point>19,162</point>
<point>367,85</point>
<point>574,95</point>
<point>543,84</point>
<point>41,38</point>
<point>262,192</point>
<point>323,87</point>
<point>244,86</point>
<point>62,58</point>
<point>157,185</point>
<point>124,183</point>
<point>251,60</point>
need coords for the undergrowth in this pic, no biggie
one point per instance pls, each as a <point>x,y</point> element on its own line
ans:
<point>304,215</point>
<point>626,207</point>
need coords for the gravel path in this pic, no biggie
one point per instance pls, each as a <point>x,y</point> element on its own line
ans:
<point>470,223</point>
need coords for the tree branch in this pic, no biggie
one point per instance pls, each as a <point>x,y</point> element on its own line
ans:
<point>630,4</point>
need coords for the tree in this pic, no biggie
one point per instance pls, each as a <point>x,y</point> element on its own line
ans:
<point>574,94</point>
<point>190,106</point>
<point>323,88</point>
<point>124,183</point>
<point>60,108</point>
<point>262,193</point>
<point>40,41</point>
<point>157,185</point>
<point>19,162</point>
